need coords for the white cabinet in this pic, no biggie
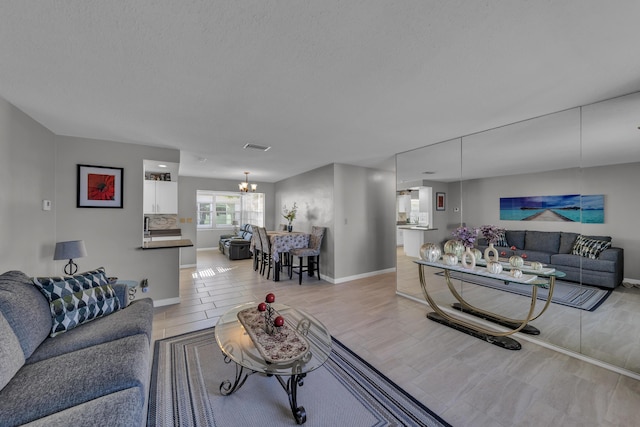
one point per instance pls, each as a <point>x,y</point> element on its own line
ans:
<point>160,197</point>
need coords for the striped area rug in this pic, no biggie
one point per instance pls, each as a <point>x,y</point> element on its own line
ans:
<point>346,391</point>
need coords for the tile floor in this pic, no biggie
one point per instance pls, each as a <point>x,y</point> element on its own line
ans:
<point>466,381</point>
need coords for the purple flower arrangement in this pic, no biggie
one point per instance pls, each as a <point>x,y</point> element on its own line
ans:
<point>491,233</point>
<point>466,235</point>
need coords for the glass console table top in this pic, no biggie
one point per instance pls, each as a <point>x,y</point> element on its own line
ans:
<point>235,342</point>
<point>531,277</point>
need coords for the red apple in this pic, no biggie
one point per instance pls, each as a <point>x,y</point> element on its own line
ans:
<point>503,253</point>
<point>524,256</point>
<point>278,321</point>
<point>513,248</point>
<point>262,307</point>
<point>270,298</point>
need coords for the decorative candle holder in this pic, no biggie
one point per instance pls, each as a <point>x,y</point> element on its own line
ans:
<point>271,324</point>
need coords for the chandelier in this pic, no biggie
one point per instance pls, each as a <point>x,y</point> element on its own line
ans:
<point>244,186</point>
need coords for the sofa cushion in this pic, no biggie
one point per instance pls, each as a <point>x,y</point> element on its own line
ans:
<point>11,355</point>
<point>133,320</point>
<point>56,384</point>
<point>542,241</point>
<point>589,248</point>
<point>567,241</point>
<point>580,262</point>
<point>74,300</point>
<point>26,310</point>
<point>515,238</point>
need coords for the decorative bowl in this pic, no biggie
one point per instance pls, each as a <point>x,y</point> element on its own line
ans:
<point>494,267</point>
<point>450,259</point>
<point>516,261</point>
<point>536,265</point>
<point>454,247</point>
<point>430,252</point>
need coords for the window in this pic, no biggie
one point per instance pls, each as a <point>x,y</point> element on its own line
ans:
<point>227,210</point>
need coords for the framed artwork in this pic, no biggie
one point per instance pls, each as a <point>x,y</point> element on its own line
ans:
<point>586,209</point>
<point>440,201</point>
<point>99,187</point>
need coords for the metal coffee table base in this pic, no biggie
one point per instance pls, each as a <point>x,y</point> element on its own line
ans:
<point>290,386</point>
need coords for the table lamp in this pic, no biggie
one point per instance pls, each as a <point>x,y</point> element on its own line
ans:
<point>70,250</point>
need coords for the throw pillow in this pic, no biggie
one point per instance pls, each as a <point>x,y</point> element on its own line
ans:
<point>78,299</point>
<point>589,248</point>
<point>502,239</point>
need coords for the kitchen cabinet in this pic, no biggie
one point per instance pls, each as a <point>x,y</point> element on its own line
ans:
<point>160,197</point>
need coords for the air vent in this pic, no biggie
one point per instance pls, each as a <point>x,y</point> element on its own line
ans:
<point>256,147</point>
<point>428,173</point>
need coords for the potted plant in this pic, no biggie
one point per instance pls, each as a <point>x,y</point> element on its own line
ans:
<point>290,215</point>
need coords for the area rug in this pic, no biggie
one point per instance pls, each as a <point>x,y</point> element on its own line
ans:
<point>346,391</point>
<point>582,297</point>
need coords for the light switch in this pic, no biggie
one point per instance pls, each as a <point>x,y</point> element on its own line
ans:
<point>46,205</point>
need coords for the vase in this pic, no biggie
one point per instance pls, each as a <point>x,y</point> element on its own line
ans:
<point>289,228</point>
<point>468,259</point>
<point>430,252</point>
<point>491,253</point>
<point>454,247</point>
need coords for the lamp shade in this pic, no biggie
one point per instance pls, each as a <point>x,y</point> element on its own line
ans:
<point>70,250</point>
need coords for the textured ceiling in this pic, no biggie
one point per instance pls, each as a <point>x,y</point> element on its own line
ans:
<point>319,81</point>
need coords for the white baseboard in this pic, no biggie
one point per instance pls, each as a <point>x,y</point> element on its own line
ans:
<point>167,301</point>
<point>359,276</point>
<point>631,281</point>
<point>188,266</point>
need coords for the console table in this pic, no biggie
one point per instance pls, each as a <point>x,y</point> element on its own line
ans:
<point>543,278</point>
<point>238,347</point>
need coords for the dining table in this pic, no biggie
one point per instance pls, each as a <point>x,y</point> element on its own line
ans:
<point>281,243</point>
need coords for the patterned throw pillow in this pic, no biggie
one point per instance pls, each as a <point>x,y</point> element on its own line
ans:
<point>75,300</point>
<point>589,248</point>
<point>502,239</point>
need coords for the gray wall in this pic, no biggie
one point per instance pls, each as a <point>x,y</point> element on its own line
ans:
<point>113,237</point>
<point>27,176</point>
<point>334,194</point>
<point>618,183</point>
<point>187,189</point>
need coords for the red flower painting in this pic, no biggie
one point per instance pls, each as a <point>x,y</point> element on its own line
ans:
<point>101,187</point>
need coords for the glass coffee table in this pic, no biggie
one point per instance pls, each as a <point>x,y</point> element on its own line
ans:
<point>237,346</point>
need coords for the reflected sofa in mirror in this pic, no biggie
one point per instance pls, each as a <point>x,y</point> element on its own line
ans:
<point>586,151</point>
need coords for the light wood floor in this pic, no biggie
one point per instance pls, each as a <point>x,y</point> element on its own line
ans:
<point>466,381</point>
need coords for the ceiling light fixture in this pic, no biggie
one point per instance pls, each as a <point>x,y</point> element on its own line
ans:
<point>244,186</point>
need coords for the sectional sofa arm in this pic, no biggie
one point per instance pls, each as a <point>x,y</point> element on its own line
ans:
<point>612,254</point>
<point>239,242</point>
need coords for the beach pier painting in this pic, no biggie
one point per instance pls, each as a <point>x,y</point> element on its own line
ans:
<point>587,209</point>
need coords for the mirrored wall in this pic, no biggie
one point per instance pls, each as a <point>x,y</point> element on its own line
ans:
<point>592,150</point>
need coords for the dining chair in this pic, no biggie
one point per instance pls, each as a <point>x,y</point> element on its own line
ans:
<point>257,249</point>
<point>267,259</point>
<point>311,253</point>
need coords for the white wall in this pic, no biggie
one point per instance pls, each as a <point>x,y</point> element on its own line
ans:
<point>329,195</point>
<point>27,176</point>
<point>113,237</point>
<point>619,185</point>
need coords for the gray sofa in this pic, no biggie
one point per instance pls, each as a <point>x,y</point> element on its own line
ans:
<point>94,374</point>
<point>555,249</point>
<point>237,246</point>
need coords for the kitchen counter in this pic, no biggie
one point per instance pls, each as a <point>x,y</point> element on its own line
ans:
<point>164,244</point>
<point>413,238</point>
